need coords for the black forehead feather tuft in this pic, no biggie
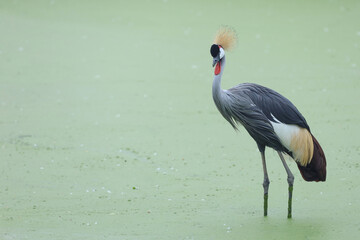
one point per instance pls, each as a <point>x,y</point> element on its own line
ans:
<point>214,50</point>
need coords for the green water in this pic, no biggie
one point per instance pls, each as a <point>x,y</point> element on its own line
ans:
<point>109,130</point>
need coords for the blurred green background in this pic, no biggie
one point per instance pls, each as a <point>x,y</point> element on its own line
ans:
<point>109,130</point>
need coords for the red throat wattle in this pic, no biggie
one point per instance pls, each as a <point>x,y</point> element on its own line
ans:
<point>217,68</point>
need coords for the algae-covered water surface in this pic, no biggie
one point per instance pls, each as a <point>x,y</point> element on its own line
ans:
<point>109,130</point>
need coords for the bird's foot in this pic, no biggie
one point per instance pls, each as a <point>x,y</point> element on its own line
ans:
<point>290,201</point>
<point>265,204</point>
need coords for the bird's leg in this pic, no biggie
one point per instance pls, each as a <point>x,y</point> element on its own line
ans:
<point>266,183</point>
<point>290,180</point>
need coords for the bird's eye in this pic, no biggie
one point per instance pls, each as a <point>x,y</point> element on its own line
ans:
<point>214,50</point>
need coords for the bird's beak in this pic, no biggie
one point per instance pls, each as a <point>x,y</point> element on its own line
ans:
<point>215,60</point>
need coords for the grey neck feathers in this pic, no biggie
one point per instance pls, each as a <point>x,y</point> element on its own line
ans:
<point>222,98</point>
<point>218,93</point>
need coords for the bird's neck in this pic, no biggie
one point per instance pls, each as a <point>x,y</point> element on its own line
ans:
<point>216,88</point>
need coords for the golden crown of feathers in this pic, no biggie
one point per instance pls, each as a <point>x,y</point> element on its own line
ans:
<point>226,38</point>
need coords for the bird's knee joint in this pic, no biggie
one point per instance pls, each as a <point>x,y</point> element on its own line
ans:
<point>266,183</point>
<point>290,180</point>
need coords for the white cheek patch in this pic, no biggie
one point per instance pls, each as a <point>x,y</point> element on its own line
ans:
<point>222,53</point>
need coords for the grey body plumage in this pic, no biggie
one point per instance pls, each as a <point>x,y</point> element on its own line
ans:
<point>254,106</point>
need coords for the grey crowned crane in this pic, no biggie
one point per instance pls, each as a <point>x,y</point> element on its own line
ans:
<point>270,119</point>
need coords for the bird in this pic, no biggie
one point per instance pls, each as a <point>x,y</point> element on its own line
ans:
<point>270,119</point>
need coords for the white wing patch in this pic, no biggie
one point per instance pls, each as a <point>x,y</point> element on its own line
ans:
<point>285,132</point>
<point>296,139</point>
